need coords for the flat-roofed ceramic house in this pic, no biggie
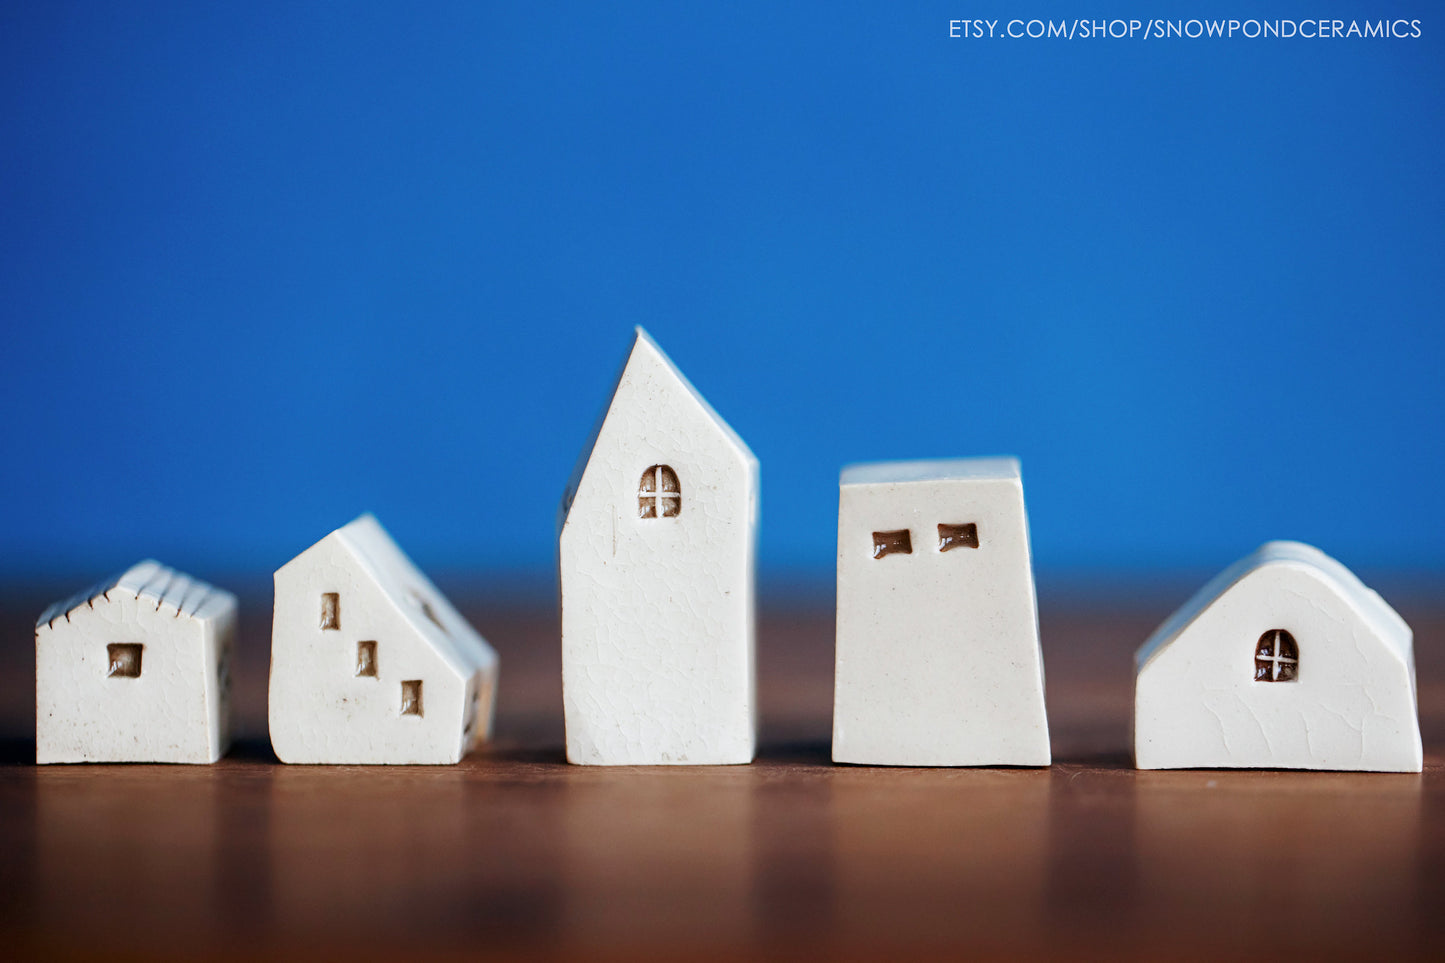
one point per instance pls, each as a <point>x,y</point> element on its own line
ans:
<point>656,541</point>
<point>136,669</point>
<point>370,664</point>
<point>938,658</point>
<point>1285,660</point>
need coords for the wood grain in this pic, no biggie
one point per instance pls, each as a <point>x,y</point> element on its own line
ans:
<point>515,854</point>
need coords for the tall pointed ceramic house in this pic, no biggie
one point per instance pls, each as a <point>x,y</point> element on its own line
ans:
<point>656,541</point>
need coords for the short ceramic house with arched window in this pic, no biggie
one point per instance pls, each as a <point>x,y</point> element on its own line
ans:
<point>1284,661</point>
<point>656,538</point>
<point>370,664</point>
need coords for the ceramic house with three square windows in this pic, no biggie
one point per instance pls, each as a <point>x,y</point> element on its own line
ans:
<point>1285,660</point>
<point>938,658</point>
<point>656,540</point>
<point>370,664</point>
<point>137,669</point>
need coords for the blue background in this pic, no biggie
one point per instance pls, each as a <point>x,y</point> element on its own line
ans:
<point>263,268</point>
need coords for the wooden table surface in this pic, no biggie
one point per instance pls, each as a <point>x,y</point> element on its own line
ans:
<point>514,853</point>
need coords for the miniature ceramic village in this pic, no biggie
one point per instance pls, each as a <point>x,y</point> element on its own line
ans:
<point>1285,660</point>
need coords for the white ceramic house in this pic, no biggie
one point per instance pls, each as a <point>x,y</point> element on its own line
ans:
<point>370,664</point>
<point>657,533</point>
<point>137,669</point>
<point>938,657</point>
<point>1284,661</point>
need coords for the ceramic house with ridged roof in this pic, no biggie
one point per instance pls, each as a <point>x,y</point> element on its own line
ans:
<point>370,664</point>
<point>136,669</point>
<point>656,540</point>
<point>1285,660</point>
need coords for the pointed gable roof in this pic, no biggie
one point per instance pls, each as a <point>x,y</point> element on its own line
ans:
<point>424,608</point>
<point>1372,609</point>
<point>646,353</point>
<point>173,592</point>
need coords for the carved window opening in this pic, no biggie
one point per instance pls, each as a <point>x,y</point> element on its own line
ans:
<point>474,704</point>
<point>366,660</point>
<point>898,542</point>
<point>659,495</point>
<point>957,536</point>
<point>411,697</point>
<point>124,660</point>
<point>421,603</point>
<point>1276,657</point>
<point>330,610</point>
<point>223,670</point>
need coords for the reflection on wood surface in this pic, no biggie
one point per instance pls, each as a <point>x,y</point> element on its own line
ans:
<point>515,853</point>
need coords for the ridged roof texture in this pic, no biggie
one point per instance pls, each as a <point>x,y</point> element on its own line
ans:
<point>174,592</point>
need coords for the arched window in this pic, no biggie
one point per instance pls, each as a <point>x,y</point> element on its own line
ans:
<point>1276,657</point>
<point>659,495</point>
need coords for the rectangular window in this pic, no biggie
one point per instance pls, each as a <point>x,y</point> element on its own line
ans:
<point>472,705</point>
<point>957,536</point>
<point>330,610</point>
<point>411,697</point>
<point>124,658</point>
<point>897,542</point>
<point>366,659</point>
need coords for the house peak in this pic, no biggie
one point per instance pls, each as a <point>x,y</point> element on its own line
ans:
<point>646,357</point>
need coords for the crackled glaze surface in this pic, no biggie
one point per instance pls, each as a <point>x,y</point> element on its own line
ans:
<point>135,670</point>
<point>370,664</point>
<point>1209,693</point>
<point>938,659</point>
<point>658,608</point>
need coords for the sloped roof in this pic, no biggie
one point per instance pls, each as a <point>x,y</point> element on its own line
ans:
<point>432,615</point>
<point>1374,610</point>
<point>644,351</point>
<point>173,592</point>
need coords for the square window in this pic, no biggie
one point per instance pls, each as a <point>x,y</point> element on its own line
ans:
<point>411,697</point>
<point>957,536</point>
<point>124,658</point>
<point>330,610</point>
<point>366,659</point>
<point>897,542</point>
